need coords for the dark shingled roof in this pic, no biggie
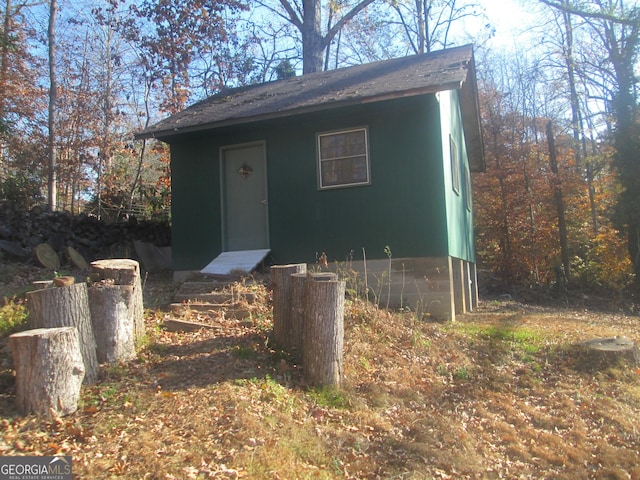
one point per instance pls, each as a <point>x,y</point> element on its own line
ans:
<point>450,69</point>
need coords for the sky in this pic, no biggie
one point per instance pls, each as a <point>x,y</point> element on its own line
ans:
<point>510,19</point>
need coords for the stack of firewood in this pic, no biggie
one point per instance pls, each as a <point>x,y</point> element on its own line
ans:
<point>21,232</point>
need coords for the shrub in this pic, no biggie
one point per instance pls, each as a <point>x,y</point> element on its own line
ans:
<point>13,315</point>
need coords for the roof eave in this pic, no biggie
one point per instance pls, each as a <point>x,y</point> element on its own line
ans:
<point>471,120</point>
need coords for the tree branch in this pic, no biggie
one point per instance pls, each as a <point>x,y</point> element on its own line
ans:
<point>632,22</point>
<point>293,16</point>
<point>344,20</point>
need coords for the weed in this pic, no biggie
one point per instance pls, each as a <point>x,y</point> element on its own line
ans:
<point>105,395</point>
<point>387,252</point>
<point>116,371</point>
<point>243,352</point>
<point>331,397</point>
<point>364,363</point>
<point>262,321</point>
<point>462,373</point>
<point>270,390</point>
<point>108,393</point>
<point>443,370</point>
<point>336,466</point>
<point>419,340</point>
<point>13,316</point>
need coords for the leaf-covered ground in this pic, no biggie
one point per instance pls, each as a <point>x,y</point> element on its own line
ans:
<point>501,393</point>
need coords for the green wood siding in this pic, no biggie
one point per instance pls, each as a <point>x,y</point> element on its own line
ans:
<point>459,217</point>
<point>195,204</point>
<point>402,208</point>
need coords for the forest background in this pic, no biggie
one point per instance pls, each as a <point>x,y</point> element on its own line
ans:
<point>559,203</point>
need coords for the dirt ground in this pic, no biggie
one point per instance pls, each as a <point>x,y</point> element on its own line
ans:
<point>503,392</point>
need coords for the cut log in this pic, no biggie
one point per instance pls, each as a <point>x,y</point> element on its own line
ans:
<point>124,271</point>
<point>64,281</point>
<point>40,284</point>
<point>602,353</point>
<point>49,370</point>
<point>297,310</point>
<point>323,332</point>
<point>47,256</point>
<point>281,286</point>
<point>112,317</point>
<point>67,307</point>
<point>77,259</point>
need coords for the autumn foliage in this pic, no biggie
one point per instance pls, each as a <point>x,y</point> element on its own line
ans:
<point>516,214</point>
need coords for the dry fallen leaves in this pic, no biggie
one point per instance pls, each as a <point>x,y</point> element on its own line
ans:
<point>495,395</point>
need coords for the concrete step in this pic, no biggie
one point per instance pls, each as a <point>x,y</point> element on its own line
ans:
<point>228,310</point>
<point>213,297</point>
<point>205,287</point>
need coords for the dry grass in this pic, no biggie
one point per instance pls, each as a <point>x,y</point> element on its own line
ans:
<point>498,394</point>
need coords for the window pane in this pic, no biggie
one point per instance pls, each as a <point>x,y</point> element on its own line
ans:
<point>343,144</point>
<point>343,158</point>
<point>455,165</point>
<point>344,171</point>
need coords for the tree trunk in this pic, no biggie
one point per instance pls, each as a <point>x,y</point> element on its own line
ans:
<point>49,370</point>
<point>112,316</point>
<point>67,306</point>
<point>5,46</point>
<point>557,191</point>
<point>53,98</point>
<point>323,332</point>
<point>312,39</point>
<point>124,272</point>
<point>577,125</point>
<point>281,285</point>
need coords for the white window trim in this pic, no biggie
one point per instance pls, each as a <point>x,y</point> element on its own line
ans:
<point>455,165</point>
<point>320,159</point>
<point>468,190</point>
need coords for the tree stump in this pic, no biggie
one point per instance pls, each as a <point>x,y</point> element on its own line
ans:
<point>323,276</point>
<point>602,353</point>
<point>297,310</point>
<point>323,332</point>
<point>67,306</point>
<point>112,315</point>
<point>281,285</point>
<point>123,271</point>
<point>49,370</point>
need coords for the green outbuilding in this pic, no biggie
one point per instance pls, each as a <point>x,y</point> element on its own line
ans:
<point>367,166</point>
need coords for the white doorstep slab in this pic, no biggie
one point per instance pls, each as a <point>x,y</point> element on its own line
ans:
<point>243,260</point>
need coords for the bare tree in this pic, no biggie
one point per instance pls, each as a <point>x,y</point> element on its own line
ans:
<point>53,95</point>
<point>306,17</point>
<point>427,23</point>
<point>18,84</point>
<point>618,30</point>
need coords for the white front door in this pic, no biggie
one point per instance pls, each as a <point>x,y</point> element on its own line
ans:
<point>244,209</point>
